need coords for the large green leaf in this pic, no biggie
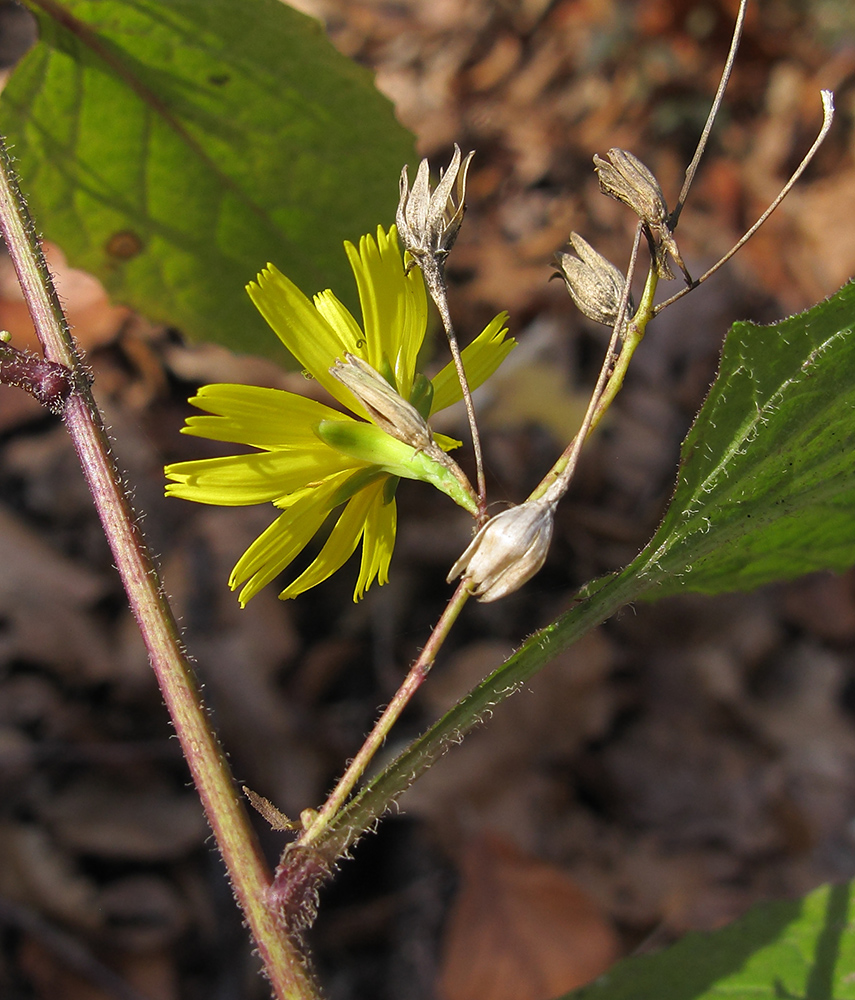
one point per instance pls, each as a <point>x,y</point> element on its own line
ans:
<point>799,950</point>
<point>766,490</point>
<point>174,147</point>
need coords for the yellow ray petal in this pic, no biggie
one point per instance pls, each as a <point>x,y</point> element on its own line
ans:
<point>300,327</point>
<point>237,480</point>
<point>394,306</point>
<point>262,418</point>
<point>480,359</point>
<point>277,546</point>
<point>341,320</point>
<point>340,545</point>
<point>378,541</point>
<point>445,442</point>
<point>412,331</point>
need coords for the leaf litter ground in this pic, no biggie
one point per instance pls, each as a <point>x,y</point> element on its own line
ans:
<point>684,761</point>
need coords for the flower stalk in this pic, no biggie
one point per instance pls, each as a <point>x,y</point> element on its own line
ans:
<point>428,224</point>
<point>235,838</point>
<point>314,830</point>
<point>827,98</point>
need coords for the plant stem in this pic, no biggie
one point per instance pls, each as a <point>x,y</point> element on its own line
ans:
<point>435,281</point>
<point>612,372</point>
<point>336,800</point>
<point>827,118</point>
<point>692,168</point>
<point>632,338</point>
<point>236,840</point>
<point>374,799</point>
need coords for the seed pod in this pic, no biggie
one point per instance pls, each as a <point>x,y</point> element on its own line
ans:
<point>428,222</point>
<point>507,551</point>
<point>389,410</point>
<point>594,283</point>
<point>627,179</point>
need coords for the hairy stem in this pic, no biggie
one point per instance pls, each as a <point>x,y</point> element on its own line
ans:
<point>246,867</point>
<point>374,799</point>
<point>336,800</point>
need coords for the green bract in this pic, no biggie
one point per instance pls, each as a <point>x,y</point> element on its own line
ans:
<point>311,458</point>
<point>368,443</point>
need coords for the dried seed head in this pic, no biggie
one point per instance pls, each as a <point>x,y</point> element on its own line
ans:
<point>627,179</point>
<point>428,222</point>
<point>507,551</point>
<point>594,283</point>
<point>389,410</point>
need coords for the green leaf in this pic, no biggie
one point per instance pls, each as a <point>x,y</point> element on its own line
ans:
<point>174,148</point>
<point>766,489</point>
<point>799,950</point>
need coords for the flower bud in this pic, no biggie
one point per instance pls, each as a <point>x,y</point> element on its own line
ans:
<point>389,410</point>
<point>627,179</point>
<point>427,222</point>
<point>594,283</point>
<point>507,551</point>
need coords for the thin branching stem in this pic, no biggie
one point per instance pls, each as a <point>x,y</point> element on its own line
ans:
<point>692,168</point>
<point>827,118</point>
<point>435,282</point>
<point>614,368</point>
<point>555,483</point>
<point>412,682</point>
<point>235,838</point>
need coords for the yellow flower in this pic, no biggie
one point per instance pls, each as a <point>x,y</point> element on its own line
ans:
<point>310,458</point>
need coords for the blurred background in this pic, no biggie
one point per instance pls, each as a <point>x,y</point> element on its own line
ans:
<point>684,761</point>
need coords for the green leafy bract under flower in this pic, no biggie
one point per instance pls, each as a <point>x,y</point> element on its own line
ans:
<point>297,466</point>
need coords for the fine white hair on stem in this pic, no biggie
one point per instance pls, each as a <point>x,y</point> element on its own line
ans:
<point>827,118</point>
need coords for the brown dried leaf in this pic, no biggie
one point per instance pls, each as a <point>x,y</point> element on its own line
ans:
<point>520,929</point>
<point>37,873</point>
<point>148,823</point>
<point>44,597</point>
<point>94,319</point>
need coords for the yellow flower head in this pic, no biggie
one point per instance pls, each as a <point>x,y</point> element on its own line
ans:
<point>311,458</point>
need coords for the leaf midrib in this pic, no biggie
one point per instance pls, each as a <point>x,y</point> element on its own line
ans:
<point>93,41</point>
<point>679,533</point>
